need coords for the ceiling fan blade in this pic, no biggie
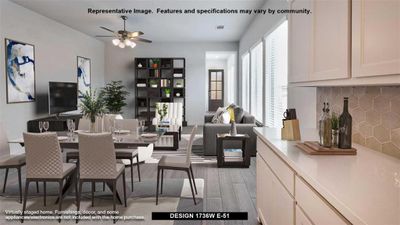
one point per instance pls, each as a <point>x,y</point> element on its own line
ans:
<point>141,39</point>
<point>105,28</point>
<point>104,36</point>
<point>135,34</point>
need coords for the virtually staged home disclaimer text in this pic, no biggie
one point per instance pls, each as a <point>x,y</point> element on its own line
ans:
<point>209,11</point>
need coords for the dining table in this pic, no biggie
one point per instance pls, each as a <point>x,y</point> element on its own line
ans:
<point>123,139</point>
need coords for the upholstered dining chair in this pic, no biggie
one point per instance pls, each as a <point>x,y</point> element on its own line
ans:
<point>98,163</point>
<point>8,161</point>
<point>178,163</point>
<point>44,163</point>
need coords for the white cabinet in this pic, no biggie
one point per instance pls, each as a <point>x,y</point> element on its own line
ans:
<point>274,204</point>
<point>330,40</point>
<point>319,43</point>
<point>376,37</point>
<point>301,218</point>
<point>299,42</point>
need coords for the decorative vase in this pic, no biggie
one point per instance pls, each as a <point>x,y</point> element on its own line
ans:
<point>335,138</point>
<point>233,131</point>
<point>92,127</point>
<point>167,95</point>
<point>155,65</point>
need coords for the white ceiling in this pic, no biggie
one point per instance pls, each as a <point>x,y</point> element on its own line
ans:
<point>159,28</point>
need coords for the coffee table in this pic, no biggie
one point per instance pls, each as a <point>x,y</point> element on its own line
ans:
<point>169,140</point>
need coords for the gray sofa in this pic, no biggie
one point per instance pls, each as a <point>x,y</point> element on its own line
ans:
<point>210,130</point>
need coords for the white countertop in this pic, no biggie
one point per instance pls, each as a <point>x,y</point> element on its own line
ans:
<point>364,188</point>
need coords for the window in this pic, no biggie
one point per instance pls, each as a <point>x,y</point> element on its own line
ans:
<point>276,65</point>
<point>256,84</point>
<point>246,82</point>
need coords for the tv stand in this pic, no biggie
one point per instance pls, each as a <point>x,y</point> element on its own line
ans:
<point>57,123</point>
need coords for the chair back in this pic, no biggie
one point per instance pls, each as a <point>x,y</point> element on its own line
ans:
<point>84,124</point>
<point>97,156</point>
<point>128,124</point>
<point>108,118</point>
<point>4,146</point>
<point>43,155</point>
<point>190,144</point>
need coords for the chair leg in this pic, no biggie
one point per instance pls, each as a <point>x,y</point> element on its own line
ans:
<point>93,186</point>
<point>194,183</point>
<point>20,184</point>
<point>162,180</point>
<point>124,182</point>
<point>158,181</point>
<point>114,196</point>
<point>60,197</point>
<point>138,167</point>
<point>25,197</point>
<point>44,193</point>
<point>131,174</point>
<point>191,186</point>
<point>5,181</point>
<point>79,199</point>
<point>76,188</point>
<point>37,186</point>
<point>104,186</point>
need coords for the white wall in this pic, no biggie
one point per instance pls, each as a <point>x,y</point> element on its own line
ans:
<point>120,66</point>
<point>304,99</point>
<point>56,49</point>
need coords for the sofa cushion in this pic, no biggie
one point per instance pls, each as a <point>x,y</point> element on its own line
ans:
<point>236,112</point>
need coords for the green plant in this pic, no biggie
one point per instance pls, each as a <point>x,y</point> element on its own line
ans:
<point>334,121</point>
<point>114,96</point>
<point>153,82</point>
<point>162,111</point>
<point>167,91</point>
<point>92,105</point>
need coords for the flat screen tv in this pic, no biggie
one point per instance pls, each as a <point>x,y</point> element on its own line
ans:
<point>63,97</point>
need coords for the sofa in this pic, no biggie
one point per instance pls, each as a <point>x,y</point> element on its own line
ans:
<point>210,131</point>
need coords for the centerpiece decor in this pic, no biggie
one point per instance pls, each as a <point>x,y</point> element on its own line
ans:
<point>92,106</point>
<point>162,110</point>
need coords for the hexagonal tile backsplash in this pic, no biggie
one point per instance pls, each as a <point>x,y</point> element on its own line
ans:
<point>375,112</point>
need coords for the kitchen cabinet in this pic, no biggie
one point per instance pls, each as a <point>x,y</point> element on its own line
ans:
<point>376,38</point>
<point>274,204</point>
<point>319,43</point>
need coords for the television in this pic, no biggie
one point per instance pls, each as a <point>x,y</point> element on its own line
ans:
<point>63,97</point>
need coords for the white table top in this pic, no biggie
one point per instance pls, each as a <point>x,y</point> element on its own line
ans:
<point>365,188</point>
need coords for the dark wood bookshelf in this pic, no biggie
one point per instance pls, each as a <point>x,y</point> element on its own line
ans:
<point>152,82</point>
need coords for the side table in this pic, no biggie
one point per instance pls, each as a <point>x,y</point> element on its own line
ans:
<point>223,160</point>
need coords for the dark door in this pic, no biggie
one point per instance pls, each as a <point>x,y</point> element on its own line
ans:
<point>215,89</point>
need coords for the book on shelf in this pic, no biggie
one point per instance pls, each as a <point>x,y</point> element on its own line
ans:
<point>233,153</point>
<point>178,75</point>
<point>141,85</point>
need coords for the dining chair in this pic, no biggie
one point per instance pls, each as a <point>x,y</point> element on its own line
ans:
<point>178,163</point>
<point>129,154</point>
<point>44,163</point>
<point>98,163</point>
<point>8,161</point>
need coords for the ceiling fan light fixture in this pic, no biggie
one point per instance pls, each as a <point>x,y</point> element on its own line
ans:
<point>133,44</point>
<point>116,41</point>
<point>121,45</point>
<point>127,42</point>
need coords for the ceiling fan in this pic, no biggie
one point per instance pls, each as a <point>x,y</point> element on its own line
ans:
<point>123,37</point>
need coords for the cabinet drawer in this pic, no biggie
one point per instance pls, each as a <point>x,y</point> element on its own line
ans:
<point>317,209</point>
<point>284,173</point>
<point>301,218</point>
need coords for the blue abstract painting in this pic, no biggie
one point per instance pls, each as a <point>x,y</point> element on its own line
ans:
<point>20,71</point>
<point>84,79</point>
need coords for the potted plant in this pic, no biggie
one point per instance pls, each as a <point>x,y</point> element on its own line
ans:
<point>167,92</point>
<point>162,111</point>
<point>178,84</point>
<point>156,63</point>
<point>114,94</point>
<point>153,83</point>
<point>92,106</point>
<point>335,129</point>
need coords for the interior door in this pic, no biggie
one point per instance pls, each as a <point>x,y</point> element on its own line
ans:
<point>215,89</point>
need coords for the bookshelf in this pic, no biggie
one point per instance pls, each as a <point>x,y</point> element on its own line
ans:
<point>159,80</point>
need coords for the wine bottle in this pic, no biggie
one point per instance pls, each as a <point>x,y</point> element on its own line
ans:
<point>345,124</point>
<point>327,131</point>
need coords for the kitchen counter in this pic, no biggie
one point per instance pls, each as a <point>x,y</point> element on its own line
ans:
<point>364,188</point>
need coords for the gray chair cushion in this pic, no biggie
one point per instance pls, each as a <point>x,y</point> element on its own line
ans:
<point>12,160</point>
<point>174,161</point>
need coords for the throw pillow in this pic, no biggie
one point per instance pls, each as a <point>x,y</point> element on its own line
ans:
<point>231,112</point>
<point>217,114</point>
<point>239,114</point>
<point>225,118</point>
